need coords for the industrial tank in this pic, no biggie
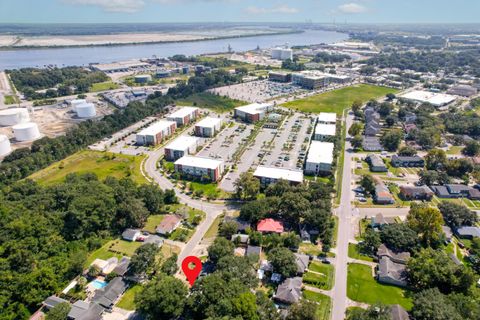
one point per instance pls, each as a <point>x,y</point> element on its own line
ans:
<point>26,131</point>
<point>76,103</point>
<point>86,110</point>
<point>13,116</point>
<point>5,147</point>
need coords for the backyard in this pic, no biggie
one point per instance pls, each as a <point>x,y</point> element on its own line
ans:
<point>127,301</point>
<point>319,275</point>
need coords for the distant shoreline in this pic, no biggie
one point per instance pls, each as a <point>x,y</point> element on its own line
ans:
<point>135,43</point>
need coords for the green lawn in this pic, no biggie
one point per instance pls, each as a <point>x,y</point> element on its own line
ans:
<point>213,230</point>
<point>103,86</point>
<point>324,303</point>
<point>101,253</point>
<point>167,250</point>
<point>339,100</point>
<point>11,99</point>
<point>124,247</point>
<point>310,248</point>
<point>362,225</point>
<point>210,101</point>
<point>152,223</point>
<point>320,275</point>
<point>340,165</point>
<point>362,287</point>
<point>103,164</point>
<point>355,254</point>
<point>181,234</point>
<point>455,150</point>
<point>209,190</point>
<point>127,300</point>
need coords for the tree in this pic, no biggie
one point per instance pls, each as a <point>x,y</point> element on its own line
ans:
<point>143,260</point>
<point>428,138</point>
<point>391,139</point>
<point>220,248</point>
<point>407,151</point>
<point>228,229</point>
<point>432,177</point>
<point>368,183</point>
<point>245,306</point>
<point>426,222</point>
<point>459,167</point>
<point>399,237</point>
<point>162,298</point>
<point>356,106</point>
<point>472,148</point>
<point>247,186</point>
<point>93,271</point>
<point>371,242</point>
<point>170,197</point>
<point>239,268</point>
<point>390,96</point>
<point>152,196</point>
<point>456,215</point>
<point>431,304</point>
<point>435,159</point>
<point>170,267</point>
<point>283,261</point>
<point>374,312</point>
<point>59,312</point>
<point>390,121</point>
<point>356,142</point>
<point>303,310</point>
<point>355,129</point>
<point>293,205</point>
<point>385,109</point>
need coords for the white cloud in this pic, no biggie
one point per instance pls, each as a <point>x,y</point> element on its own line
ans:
<point>123,6</point>
<point>279,9</point>
<point>352,8</point>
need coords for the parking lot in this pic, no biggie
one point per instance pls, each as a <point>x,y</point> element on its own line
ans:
<point>257,91</point>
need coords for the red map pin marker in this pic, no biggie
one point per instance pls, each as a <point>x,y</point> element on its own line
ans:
<point>191,274</point>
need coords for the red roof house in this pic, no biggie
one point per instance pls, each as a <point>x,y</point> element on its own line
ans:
<point>270,225</point>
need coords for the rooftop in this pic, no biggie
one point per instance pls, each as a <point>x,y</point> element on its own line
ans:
<point>327,117</point>
<point>200,162</point>
<point>254,108</point>
<point>436,99</point>
<point>182,143</point>
<point>326,129</point>
<point>320,152</point>
<point>277,173</point>
<point>183,112</point>
<point>270,225</point>
<point>156,127</point>
<point>209,122</point>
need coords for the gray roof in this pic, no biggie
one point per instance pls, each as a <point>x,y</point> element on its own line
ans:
<point>302,261</point>
<point>122,266</point>
<point>376,161</point>
<point>389,269</point>
<point>448,232</point>
<point>251,250</point>
<point>52,301</point>
<point>290,291</point>
<point>241,225</point>
<point>397,312</point>
<point>468,231</point>
<point>457,188</point>
<point>78,310</point>
<point>130,233</point>
<point>371,144</point>
<point>154,239</point>
<point>441,191</point>
<point>399,257</point>
<point>107,296</point>
<point>406,158</point>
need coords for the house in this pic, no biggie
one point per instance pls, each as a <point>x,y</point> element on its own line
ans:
<point>240,238</point>
<point>122,266</point>
<point>383,195</point>
<point>456,191</point>
<point>82,310</point>
<point>184,116</point>
<point>372,128</point>
<point>397,257</point>
<point>270,226</point>
<point>156,133</point>
<point>407,161</point>
<point>416,193</point>
<point>253,112</point>
<point>253,251</point>
<point>200,167</point>
<point>319,158</point>
<point>376,163</point>
<point>182,146</point>
<point>410,118</point>
<point>448,233</point>
<point>371,144</point>
<point>397,312</point>
<point>131,234</point>
<point>208,127</point>
<point>324,132</point>
<point>105,266</point>
<point>241,225</point>
<point>52,301</point>
<point>389,272</point>
<point>467,232</point>
<point>108,295</point>
<point>269,175</point>
<point>379,220</point>
<point>169,223</point>
<point>302,261</point>
<point>290,291</point>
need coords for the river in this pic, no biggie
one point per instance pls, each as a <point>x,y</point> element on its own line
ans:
<point>21,58</point>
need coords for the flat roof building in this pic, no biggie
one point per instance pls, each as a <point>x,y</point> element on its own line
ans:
<point>282,53</point>
<point>314,79</point>
<point>327,118</point>
<point>208,127</point>
<point>268,175</point>
<point>319,158</point>
<point>182,146</point>
<point>184,116</point>
<point>279,76</point>
<point>200,168</point>
<point>324,132</point>
<point>156,133</point>
<point>435,99</point>
<point>252,112</point>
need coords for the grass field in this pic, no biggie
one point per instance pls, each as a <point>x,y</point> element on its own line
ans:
<point>213,230</point>
<point>339,100</point>
<point>101,253</point>
<point>152,223</point>
<point>362,287</point>
<point>211,101</point>
<point>355,254</point>
<point>455,150</point>
<point>11,99</point>
<point>101,163</point>
<point>127,301</point>
<point>310,248</point>
<point>324,303</point>
<point>320,275</point>
<point>103,86</point>
<point>124,247</point>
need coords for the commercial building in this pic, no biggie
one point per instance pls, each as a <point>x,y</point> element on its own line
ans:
<point>324,132</point>
<point>279,76</point>
<point>252,112</point>
<point>143,78</point>
<point>433,98</point>
<point>463,90</point>
<point>282,53</point>
<point>319,158</point>
<point>314,79</point>
<point>199,167</point>
<point>184,116</point>
<point>327,118</point>
<point>182,146</point>
<point>208,127</point>
<point>156,133</point>
<point>121,66</point>
<point>268,175</point>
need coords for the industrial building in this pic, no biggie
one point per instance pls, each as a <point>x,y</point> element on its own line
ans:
<point>279,76</point>
<point>121,66</point>
<point>156,133</point>
<point>13,116</point>
<point>433,98</point>
<point>268,175</point>
<point>324,132</point>
<point>76,102</point>
<point>463,90</point>
<point>252,112</point>
<point>314,79</point>
<point>182,146</point>
<point>26,131</point>
<point>200,168</point>
<point>85,110</point>
<point>208,127</point>
<point>162,74</point>
<point>282,54</point>
<point>5,147</point>
<point>320,158</point>
<point>143,78</point>
<point>184,116</point>
<point>327,118</point>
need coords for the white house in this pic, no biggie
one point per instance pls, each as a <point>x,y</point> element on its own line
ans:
<point>319,158</point>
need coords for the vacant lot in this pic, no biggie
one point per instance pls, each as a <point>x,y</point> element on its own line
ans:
<point>103,164</point>
<point>11,99</point>
<point>210,101</point>
<point>103,86</point>
<point>339,100</point>
<point>362,287</point>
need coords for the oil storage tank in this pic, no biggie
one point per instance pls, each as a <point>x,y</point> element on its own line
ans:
<point>13,116</point>
<point>77,102</point>
<point>26,131</point>
<point>86,110</point>
<point>5,147</point>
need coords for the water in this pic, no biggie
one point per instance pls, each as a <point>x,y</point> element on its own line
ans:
<point>21,58</point>
<point>98,284</point>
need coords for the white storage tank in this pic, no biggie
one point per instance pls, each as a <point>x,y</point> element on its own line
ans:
<point>13,116</point>
<point>5,147</point>
<point>26,131</point>
<point>77,102</point>
<point>86,110</point>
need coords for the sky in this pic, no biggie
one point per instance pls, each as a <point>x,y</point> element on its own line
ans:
<point>322,11</point>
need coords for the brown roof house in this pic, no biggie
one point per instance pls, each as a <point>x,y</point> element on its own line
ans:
<point>169,224</point>
<point>383,195</point>
<point>380,220</point>
<point>290,291</point>
<point>416,193</point>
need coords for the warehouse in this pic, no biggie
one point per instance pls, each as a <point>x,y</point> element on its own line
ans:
<point>319,158</point>
<point>463,90</point>
<point>324,132</point>
<point>200,168</point>
<point>184,116</point>
<point>314,79</point>
<point>268,175</point>
<point>208,127</point>
<point>156,133</point>
<point>327,118</point>
<point>182,146</point>
<point>435,99</point>
<point>282,53</point>
<point>252,112</point>
<point>143,78</point>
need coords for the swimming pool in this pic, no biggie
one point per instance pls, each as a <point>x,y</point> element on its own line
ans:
<point>98,284</point>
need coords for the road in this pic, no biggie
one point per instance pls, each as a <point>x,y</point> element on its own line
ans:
<point>344,213</point>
